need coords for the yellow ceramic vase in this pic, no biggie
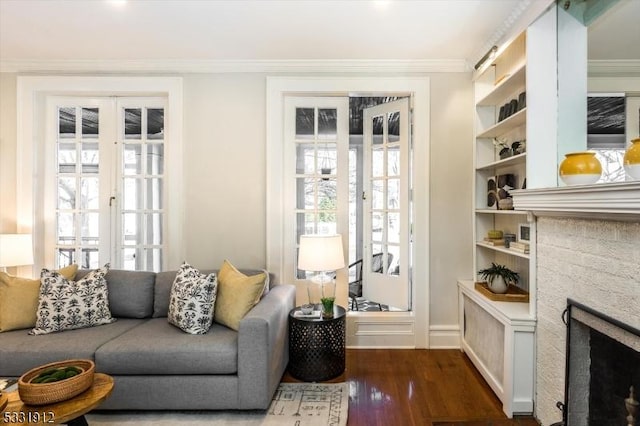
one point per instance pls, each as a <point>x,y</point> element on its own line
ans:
<point>631,160</point>
<point>580,168</point>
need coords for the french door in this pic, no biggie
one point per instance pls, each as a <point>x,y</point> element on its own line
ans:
<point>104,185</point>
<point>316,179</point>
<point>386,259</point>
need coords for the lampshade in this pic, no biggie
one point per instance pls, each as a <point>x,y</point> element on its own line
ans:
<point>16,250</point>
<point>320,253</point>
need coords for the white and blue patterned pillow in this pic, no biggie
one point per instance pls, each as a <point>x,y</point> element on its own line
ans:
<point>193,297</point>
<point>67,305</point>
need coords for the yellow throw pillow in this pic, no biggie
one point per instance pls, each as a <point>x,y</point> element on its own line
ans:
<point>237,294</point>
<point>19,299</point>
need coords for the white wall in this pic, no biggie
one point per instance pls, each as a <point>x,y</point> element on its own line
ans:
<point>225,208</point>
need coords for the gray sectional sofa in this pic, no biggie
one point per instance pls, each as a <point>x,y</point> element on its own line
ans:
<point>157,366</point>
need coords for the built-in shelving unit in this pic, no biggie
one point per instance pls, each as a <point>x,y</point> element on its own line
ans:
<point>499,336</point>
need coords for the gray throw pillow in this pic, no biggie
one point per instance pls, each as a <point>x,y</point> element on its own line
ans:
<point>192,300</point>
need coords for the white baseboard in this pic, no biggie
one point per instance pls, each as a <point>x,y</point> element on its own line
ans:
<point>444,337</point>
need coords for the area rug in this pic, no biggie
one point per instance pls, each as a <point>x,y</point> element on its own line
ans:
<point>294,404</point>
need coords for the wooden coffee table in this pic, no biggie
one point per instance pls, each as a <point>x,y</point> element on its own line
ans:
<point>71,411</point>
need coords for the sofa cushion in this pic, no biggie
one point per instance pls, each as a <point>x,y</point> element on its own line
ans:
<point>193,296</point>
<point>157,347</point>
<point>68,305</point>
<point>20,352</point>
<point>130,292</point>
<point>19,299</point>
<point>237,294</point>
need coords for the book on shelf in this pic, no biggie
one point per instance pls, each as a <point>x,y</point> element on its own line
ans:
<point>494,241</point>
<point>519,245</point>
<point>519,250</point>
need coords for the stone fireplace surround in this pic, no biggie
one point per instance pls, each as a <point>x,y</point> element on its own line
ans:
<point>588,250</point>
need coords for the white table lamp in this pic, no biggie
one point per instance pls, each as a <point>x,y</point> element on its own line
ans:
<point>15,250</point>
<point>322,254</point>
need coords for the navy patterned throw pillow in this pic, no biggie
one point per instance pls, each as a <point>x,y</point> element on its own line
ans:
<point>66,305</point>
<point>193,297</point>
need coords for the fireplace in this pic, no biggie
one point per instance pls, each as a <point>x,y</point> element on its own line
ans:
<point>602,384</point>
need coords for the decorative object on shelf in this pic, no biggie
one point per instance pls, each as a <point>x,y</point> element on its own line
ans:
<point>501,113</point>
<point>505,149</point>
<point>580,168</point>
<point>513,294</point>
<point>498,188</point>
<point>495,233</point>
<point>519,147</point>
<point>492,194</point>
<point>505,204</point>
<point>508,239</point>
<point>522,100</point>
<point>322,254</point>
<point>631,160</point>
<point>499,277</point>
<point>524,232</point>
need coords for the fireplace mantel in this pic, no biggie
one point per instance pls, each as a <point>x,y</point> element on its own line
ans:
<point>613,201</point>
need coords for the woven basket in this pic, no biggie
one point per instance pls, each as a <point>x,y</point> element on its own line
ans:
<point>49,393</point>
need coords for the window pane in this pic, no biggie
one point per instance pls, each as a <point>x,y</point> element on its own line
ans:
<point>327,123</point>
<point>132,159</point>
<point>66,229</point>
<point>394,127</point>
<point>305,193</point>
<point>377,194</point>
<point>327,224</point>
<point>327,194</point>
<point>66,257</point>
<point>90,123</point>
<point>89,228</point>
<point>393,231</point>
<point>131,258</point>
<point>90,258</point>
<point>132,228</point>
<point>89,193</point>
<point>66,193</point>
<point>305,158</point>
<point>155,159</point>
<point>393,260</point>
<point>393,161</point>
<point>305,224</point>
<point>305,119</point>
<point>377,163</point>
<point>154,194</point>
<point>377,259</point>
<point>67,122</point>
<point>67,157</point>
<point>155,123</point>
<point>378,129</point>
<point>377,226</point>
<point>132,194</point>
<point>154,228</point>
<point>154,260</point>
<point>90,158</point>
<point>132,123</point>
<point>393,194</point>
<point>327,159</point>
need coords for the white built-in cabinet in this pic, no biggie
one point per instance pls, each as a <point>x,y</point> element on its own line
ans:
<point>498,337</point>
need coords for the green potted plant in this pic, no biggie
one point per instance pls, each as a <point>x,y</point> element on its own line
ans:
<point>499,277</point>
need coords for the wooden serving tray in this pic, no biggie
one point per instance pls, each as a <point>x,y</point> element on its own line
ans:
<point>3,400</point>
<point>513,294</point>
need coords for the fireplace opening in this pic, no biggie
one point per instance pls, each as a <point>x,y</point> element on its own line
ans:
<point>603,364</point>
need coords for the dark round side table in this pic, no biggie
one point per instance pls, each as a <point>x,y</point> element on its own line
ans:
<point>316,346</point>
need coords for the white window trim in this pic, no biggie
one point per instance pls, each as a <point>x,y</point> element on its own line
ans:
<point>277,88</point>
<point>30,107</point>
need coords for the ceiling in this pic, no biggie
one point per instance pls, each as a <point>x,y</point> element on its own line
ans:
<point>55,30</point>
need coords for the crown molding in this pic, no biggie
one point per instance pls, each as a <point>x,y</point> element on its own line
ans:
<point>359,66</point>
<point>617,68</point>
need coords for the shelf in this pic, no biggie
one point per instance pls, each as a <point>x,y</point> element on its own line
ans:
<point>511,161</point>
<point>505,312</point>
<point>496,211</point>
<point>506,125</point>
<point>503,250</point>
<point>505,88</point>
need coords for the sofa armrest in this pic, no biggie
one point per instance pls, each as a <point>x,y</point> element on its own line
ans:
<point>263,347</point>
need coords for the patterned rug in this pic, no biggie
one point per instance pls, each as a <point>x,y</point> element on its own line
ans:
<point>294,404</point>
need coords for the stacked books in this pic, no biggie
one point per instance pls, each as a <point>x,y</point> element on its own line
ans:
<point>520,247</point>
<point>494,241</point>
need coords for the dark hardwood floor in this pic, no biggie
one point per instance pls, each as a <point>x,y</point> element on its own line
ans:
<point>419,387</point>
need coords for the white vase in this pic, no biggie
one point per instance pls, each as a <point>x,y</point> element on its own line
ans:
<point>498,285</point>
